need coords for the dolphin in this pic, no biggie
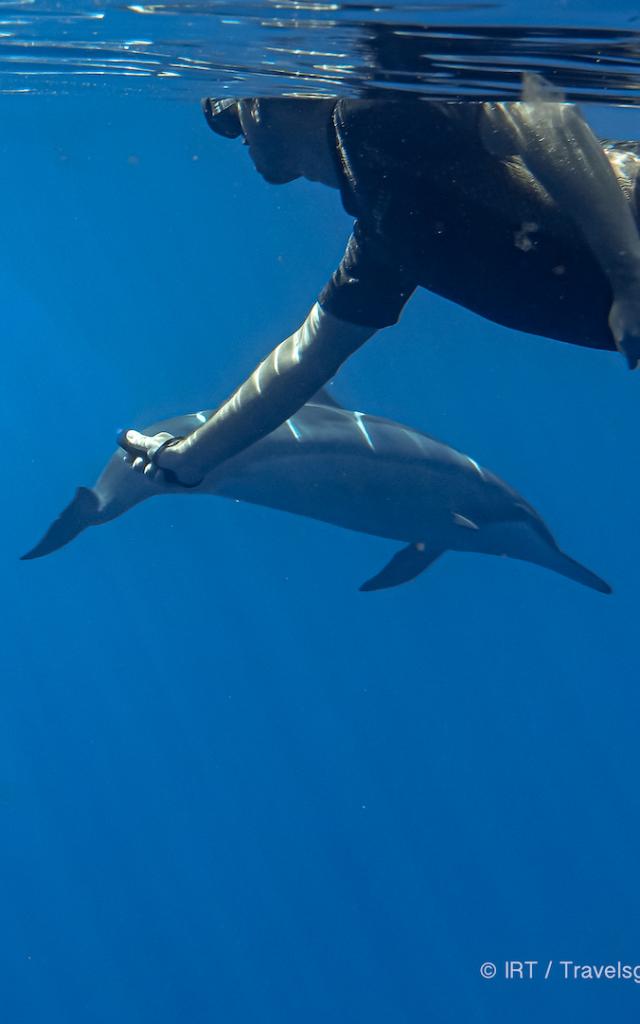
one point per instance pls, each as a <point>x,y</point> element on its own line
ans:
<point>356,471</point>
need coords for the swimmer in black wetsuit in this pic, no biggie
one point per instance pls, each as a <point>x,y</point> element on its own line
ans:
<point>513,210</point>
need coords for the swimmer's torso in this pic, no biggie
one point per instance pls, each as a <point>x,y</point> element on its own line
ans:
<point>435,208</point>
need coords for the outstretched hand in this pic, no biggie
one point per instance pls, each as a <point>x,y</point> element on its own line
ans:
<point>157,459</point>
<point>624,321</point>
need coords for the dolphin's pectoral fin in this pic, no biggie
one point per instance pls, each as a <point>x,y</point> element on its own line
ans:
<point>404,566</point>
<point>83,511</point>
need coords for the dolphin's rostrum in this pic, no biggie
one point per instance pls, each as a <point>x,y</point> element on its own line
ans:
<point>357,471</point>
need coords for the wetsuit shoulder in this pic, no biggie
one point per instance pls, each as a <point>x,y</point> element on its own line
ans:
<point>371,285</point>
<point>390,157</point>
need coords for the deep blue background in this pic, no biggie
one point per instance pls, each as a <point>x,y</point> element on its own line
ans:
<point>232,788</point>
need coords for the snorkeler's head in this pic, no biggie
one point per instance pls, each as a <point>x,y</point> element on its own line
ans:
<point>280,133</point>
<point>222,117</point>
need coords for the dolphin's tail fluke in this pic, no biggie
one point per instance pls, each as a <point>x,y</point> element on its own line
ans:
<point>567,566</point>
<point>83,511</point>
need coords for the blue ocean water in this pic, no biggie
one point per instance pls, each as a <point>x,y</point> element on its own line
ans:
<point>232,788</point>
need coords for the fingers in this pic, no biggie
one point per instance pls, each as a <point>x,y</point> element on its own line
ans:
<point>140,465</point>
<point>139,450</point>
<point>628,347</point>
<point>624,323</point>
<point>135,443</point>
<point>632,360</point>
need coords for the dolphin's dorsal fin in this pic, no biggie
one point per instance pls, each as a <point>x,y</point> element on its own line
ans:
<point>83,511</point>
<point>404,566</point>
<point>324,397</point>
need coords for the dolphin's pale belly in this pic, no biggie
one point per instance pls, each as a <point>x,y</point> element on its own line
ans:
<point>371,495</point>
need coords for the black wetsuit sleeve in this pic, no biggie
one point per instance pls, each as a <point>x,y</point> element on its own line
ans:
<point>371,286</point>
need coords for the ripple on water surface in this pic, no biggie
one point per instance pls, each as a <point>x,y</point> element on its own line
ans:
<point>184,49</point>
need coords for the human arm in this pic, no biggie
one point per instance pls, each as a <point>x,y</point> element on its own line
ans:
<point>366,293</point>
<point>276,389</point>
